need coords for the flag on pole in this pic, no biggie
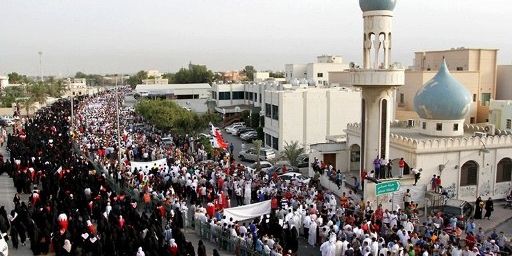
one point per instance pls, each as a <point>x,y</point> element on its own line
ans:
<point>217,140</point>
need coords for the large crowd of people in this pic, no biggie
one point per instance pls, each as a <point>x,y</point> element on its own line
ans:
<point>97,187</point>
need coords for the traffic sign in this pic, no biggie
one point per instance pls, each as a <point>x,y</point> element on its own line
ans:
<point>387,187</point>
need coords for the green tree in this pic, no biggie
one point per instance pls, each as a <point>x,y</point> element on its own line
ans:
<point>194,74</point>
<point>15,78</point>
<point>278,74</point>
<point>292,151</point>
<point>249,71</point>
<point>136,79</point>
<point>169,77</point>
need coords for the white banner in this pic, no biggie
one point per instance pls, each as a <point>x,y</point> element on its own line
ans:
<point>249,211</point>
<point>146,166</point>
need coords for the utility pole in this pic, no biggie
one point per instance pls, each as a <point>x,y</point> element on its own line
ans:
<point>118,127</point>
<point>41,65</point>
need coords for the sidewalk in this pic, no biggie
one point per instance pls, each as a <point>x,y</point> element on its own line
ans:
<point>499,216</point>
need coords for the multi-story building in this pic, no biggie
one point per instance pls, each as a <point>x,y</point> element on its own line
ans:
<point>317,72</point>
<point>504,84</point>
<point>232,98</point>
<point>308,115</point>
<point>475,68</point>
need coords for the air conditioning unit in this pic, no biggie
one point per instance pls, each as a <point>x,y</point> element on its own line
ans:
<point>411,123</point>
<point>480,134</point>
<point>490,129</point>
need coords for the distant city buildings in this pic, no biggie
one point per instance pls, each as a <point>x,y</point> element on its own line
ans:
<point>317,72</point>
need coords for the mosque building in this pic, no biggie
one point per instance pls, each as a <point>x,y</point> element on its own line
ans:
<point>471,160</point>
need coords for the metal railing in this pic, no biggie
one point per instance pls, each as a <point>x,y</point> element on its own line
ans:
<point>225,241</point>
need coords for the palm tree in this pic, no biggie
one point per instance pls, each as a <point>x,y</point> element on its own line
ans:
<point>292,151</point>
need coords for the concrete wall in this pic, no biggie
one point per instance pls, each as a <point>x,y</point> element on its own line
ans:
<point>504,83</point>
<point>310,115</point>
<point>501,113</point>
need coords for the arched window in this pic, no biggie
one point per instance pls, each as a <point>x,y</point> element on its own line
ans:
<point>355,153</point>
<point>469,174</point>
<point>504,170</point>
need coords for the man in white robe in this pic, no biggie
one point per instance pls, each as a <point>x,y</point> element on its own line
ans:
<point>312,234</point>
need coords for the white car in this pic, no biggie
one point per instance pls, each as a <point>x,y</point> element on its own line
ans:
<point>231,128</point>
<point>251,154</point>
<point>288,177</point>
<point>264,165</point>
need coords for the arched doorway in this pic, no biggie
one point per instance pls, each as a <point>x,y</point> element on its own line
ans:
<point>395,168</point>
<point>355,157</point>
<point>504,170</point>
<point>469,174</point>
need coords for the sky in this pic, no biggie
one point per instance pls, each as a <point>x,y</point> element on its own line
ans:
<point>124,36</point>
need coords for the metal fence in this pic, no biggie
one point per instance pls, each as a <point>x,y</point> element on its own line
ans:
<point>225,241</point>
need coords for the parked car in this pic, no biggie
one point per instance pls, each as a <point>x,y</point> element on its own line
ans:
<point>264,166</point>
<point>233,125</point>
<point>278,168</point>
<point>167,141</point>
<point>251,154</point>
<point>232,128</point>
<point>303,160</point>
<point>235,130</point>
<point>241,131</point>
<point>463,210</point>
<point>249,136</point>
<point>9,120</point>
<point>288,177</point>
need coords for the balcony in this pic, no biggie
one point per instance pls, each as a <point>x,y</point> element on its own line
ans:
<point>377,77</point>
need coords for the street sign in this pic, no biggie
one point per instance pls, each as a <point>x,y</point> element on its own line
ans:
<point>387,187</point>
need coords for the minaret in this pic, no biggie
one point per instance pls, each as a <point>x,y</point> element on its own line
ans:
<point>377,80</point>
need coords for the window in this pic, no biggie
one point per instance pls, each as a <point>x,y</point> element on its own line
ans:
<point>355,153</point>
<point>275,143</point>
<point>469,174</point>
<point>439,127</point>
<point>424,125</point>
<point>224,96</point>
<point>402,98</point>
<point>485,99</point>
<point>260,97</point>
<point>455,127</point>
<point>460,68</point>
<point>214,95</point>
<point>509,124</point>
<point>474,97</point>
<point>472,120</point>
<point>246,95</point>
<point>320,75</point>
<point>504,170</point>
<point>238,95</point>
<point>268,140</point>
<point>268,110</point>
<point>275,112</point>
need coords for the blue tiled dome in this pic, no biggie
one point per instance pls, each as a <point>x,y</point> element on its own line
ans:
<point>442,98</point>
<point>377,5</point>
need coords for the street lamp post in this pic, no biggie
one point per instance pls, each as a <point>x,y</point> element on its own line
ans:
<point>118,127</point>
<point>41,65</point>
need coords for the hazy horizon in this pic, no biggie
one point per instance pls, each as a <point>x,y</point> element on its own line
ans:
<point>124,36</point>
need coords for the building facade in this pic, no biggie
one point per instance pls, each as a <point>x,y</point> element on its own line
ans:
<point>504,84</point>
<point>318,72</point>
<point>501,114</point>
<point>308,115</point>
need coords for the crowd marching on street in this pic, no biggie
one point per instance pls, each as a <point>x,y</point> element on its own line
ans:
<point>90,195</point>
